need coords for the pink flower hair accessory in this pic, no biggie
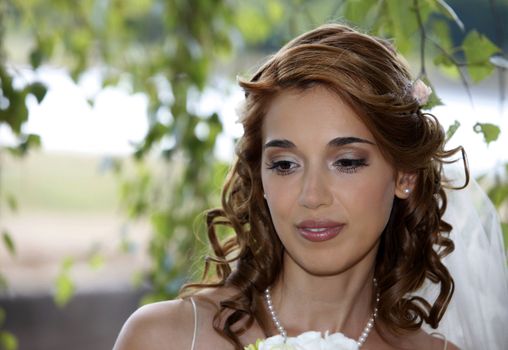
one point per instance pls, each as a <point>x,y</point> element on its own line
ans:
<point>421,92</point>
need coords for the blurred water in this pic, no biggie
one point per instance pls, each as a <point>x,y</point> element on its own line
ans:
<point>67,122</point>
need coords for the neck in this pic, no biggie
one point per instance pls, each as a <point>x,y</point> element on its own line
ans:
<point>337,303</point>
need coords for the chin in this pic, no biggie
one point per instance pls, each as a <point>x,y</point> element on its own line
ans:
<point>333,260</point>
<point>325,267</point>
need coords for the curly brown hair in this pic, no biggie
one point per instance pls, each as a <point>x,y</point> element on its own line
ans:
<point>367,73</point>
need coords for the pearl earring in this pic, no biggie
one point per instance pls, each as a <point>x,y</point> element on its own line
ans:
<point>407,190</point>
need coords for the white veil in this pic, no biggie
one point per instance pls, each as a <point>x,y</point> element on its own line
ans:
<point>477,317</point>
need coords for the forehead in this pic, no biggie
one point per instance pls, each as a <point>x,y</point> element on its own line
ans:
<point>312,114</point>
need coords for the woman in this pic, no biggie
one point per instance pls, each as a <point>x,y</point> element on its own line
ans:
<point>335,201</point>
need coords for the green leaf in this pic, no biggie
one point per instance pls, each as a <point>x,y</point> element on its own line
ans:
<point>440,32</point>
<point>65,289</point>
<point>451,71</point>
<point>8,341</point>
<point>36,58</point>
<point>162,224</point>
<point>27,142</point>
<point>3,283</point>
<point>356,11</point>
<point>275,10</point>
<point>504,227</point>
<point>67,264</point>
<point>498,194</point>
<point>252,24</point>
<point>478,72</point>
<point>490,131</point>
<point>126,245</point>
<point>12,203</point>
<point>96,261</point>
<point>13,110</point>
<point>452,129</point>
<point>64,286</point>
<point>8,242</point>
<point>478,50</point>
<point>39,90</point>
<point>434,99</point>
<point>442,60</point>
<point>43,50</point>
<point>137,279</point>
<point>2,316</point>
<point>33,141</point>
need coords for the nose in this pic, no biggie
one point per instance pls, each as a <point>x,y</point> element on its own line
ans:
<point>315,189</point>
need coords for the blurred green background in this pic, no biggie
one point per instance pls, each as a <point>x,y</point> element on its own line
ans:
<point>93,226</point>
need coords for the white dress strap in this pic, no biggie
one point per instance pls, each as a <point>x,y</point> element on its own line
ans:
<point>195,311</point>
<point>441,336</point>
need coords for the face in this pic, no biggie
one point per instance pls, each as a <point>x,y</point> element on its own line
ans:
<point>328,188</point>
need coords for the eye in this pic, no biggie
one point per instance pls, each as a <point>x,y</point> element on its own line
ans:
<point>282,167</point>
<point>349,165</point>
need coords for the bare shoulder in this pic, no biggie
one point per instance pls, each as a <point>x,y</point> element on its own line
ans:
<point>164,325</point>
<point>419,340</point>
<point>213,296</point>
<point>452,346</point>
<point>434,341</point>
<point>170,324</point>
<point>208,304</point>
<point>441,343</point>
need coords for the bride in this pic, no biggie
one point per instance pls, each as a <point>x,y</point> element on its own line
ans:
<point>336,203</point>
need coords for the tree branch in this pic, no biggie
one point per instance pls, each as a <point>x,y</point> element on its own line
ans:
<point>423,36</point>
<point>459,65</point>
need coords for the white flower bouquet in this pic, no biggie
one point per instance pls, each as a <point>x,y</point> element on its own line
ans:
<point>306,341</point>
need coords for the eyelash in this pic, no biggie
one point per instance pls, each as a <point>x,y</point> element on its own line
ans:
<point>350,166</point>
<point>345,165</point>
<point>276,167</point>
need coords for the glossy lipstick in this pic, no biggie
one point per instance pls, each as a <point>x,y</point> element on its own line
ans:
<point>319,230</point>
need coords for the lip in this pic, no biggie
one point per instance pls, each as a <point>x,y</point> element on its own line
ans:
<point>319,230</point>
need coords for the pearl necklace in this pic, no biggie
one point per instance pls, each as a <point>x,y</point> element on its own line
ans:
<point>282,331</point>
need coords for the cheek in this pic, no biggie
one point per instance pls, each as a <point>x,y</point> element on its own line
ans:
<point>372,202</point>
<point>280,197</point>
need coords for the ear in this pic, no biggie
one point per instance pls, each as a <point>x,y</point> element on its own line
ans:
<point>404,184</point>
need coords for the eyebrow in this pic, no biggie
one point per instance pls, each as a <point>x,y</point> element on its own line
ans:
<point>341,141</point>
<point>336,142</point>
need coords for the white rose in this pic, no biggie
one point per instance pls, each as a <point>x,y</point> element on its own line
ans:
<point>340,341</point>
<point>310,341</point>
<point>275,343</point>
